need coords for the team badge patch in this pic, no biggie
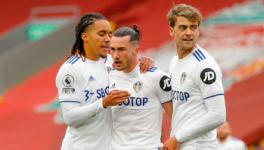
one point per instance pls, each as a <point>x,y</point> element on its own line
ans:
<point>183,77</point>
<point>165,83</point>
<point>137,86</point>
<point>68,80</point>
<point>208,76</point>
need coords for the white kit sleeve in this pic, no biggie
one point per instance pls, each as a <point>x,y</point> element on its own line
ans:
<point>70,86</point>
<point>209,79</point>
<point>215,116</point>
<point>74,114</point>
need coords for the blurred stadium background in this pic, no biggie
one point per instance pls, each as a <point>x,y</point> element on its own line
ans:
<point>35,37</point>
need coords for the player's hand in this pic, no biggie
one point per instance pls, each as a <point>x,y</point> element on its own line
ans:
<point>171,144</point>
<point>115,97</point>
<point>145,63</point>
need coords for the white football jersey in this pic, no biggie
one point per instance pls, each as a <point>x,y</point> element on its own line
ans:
<point>137,121</point>
<point>195,79</point>
<point>85,82</point>
<point>232,143</point>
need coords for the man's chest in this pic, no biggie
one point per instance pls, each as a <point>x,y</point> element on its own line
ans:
<point>142,92</point>
<point>183,81</point>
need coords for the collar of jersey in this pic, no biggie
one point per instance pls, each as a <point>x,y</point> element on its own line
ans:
<point>135,72</point>
<point>189,55</point>
<point>100,60</point>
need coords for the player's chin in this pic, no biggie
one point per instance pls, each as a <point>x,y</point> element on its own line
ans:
<point>188,46</point>
<point>118,67</point>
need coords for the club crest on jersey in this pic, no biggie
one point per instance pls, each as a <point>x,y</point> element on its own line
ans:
<point>137,86</point>
<point>183,77</point>
<point>68,80</point>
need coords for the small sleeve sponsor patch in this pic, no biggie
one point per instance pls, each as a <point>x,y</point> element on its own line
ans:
<point>165,83</point>
<point>208,76</point>
<point>68,90</point>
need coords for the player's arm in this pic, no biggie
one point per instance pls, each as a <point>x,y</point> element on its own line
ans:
<point>210,83</point>
<point>70,87</point>
<point>74,114</point>
<point>211,120</point>
<point>215,116</point>
<point>168,108</point>
<point>163,90</point>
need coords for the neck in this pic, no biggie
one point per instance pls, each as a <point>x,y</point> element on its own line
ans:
<point>183,52</point>
<point>132,66</point>
<point>90,53</point>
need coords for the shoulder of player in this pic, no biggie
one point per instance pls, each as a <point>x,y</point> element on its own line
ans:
<point>152,70</point>
<point>158,79</point>
<point>69,68</point>
<point>73,60</point>
<point>156,74</point>
<point>174,60</point>
<point>202,56</point>
<point>204,59</point>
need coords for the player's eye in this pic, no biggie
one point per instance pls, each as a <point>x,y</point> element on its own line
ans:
<point>102,33</point>
<point>194,27</point>
<point>121,49</point>
<point>182,27</point>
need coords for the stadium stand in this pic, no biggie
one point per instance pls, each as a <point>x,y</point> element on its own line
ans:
<point>28,69</point>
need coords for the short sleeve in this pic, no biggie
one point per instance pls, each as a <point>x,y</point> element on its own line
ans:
<point>162,86</point>
<point>69,83</point>
<point>209,78</point>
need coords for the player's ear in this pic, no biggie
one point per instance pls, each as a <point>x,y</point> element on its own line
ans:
<point>84,36</point>
<point>137,48</point>
<point>171,31</point>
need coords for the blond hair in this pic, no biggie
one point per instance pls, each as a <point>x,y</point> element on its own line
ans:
<point>187,11</point>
